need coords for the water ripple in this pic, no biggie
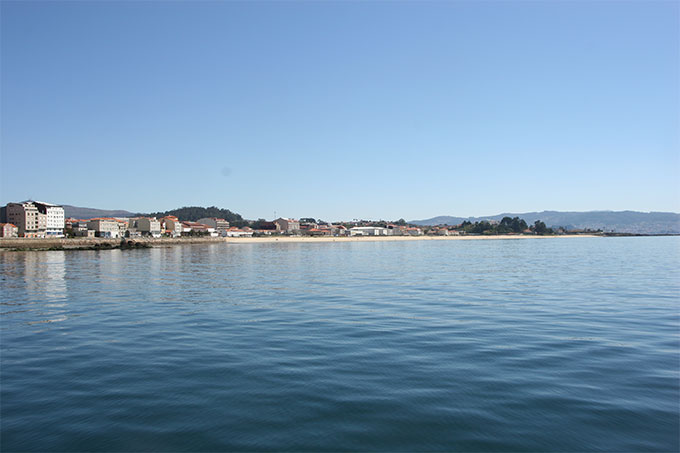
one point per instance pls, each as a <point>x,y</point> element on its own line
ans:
<point>551,345</point>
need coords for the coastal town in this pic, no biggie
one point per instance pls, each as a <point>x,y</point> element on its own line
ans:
<point>37,219</point>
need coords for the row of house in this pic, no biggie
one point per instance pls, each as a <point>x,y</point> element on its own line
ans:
<point>111,227</point>
<point>389,230</point>
<point>292,226</point>
<point>37,219</point>
<point>44,220</point>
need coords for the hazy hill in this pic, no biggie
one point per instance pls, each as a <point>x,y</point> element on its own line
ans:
<point>619,221</point>
<point>91,213</point>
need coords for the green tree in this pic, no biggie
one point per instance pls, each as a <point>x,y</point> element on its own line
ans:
<point>193,213</point>
<point>481,227</point>
<point>519,225</point>
<point>539,227</point>
<point>257,224</point>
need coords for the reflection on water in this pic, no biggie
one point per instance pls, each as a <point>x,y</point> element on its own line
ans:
<point>550,345</point>
<point>54,276</point>
<point>44,276</point>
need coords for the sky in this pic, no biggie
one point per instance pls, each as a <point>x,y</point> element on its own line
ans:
<point>342,110</point>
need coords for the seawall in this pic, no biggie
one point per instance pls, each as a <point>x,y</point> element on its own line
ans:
<point>18,244</point>
<point>95,243</point>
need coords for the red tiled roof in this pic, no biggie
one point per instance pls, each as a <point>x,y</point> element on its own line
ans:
<point>195,225</point>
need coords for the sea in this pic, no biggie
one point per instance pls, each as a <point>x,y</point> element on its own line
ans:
<point>530,345</point>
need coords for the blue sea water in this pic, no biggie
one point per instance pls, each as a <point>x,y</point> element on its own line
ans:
<point>496,345</point>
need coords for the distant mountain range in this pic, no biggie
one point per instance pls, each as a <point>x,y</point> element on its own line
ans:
<point>618,221</point>
<point>91,213</point>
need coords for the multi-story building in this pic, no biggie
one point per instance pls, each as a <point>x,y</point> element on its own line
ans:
<point>199,228</point>
<point>287,225</point>
<point>78,227</point>
<point>321,231</point>
<point>396,230</point>
<point>171,225</point>
<point>30,222</point>
<point>7,230</point>
<point>71,223</point>
<point>84,233</point>
<point>239,232</point>
<point>147,226</point>
<point>369,231</point>
<point>339,230</point>
<point>104,227</point>
<point>122,226</point>
<point>75,227</point>
<point>54,217</point>
<point>220,225</point>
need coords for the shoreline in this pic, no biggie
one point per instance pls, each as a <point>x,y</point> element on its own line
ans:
<point>50,244</point>
<point>294,239</point>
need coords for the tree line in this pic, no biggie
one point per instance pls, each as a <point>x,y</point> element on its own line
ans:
<point>193,213</point>
<point>505,226</point>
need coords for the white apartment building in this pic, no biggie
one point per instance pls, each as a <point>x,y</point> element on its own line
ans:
<point>238,233</point>
<point>369,231</point>
<point>54,216</point>
<point>30,222</point>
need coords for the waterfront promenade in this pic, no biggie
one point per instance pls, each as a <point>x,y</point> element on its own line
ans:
<point>14,244</point>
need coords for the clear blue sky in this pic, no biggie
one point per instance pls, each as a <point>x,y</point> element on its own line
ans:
<point>342,110</point>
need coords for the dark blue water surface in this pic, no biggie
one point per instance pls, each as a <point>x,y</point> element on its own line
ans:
<point>496,345</point>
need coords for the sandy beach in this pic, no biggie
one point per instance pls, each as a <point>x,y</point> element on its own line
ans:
<point>392,238</point>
